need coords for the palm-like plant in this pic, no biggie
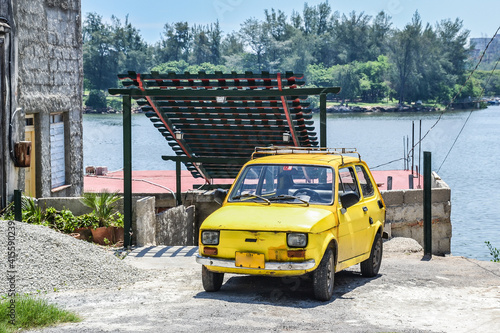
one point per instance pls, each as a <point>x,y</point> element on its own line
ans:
<point>103,205</point>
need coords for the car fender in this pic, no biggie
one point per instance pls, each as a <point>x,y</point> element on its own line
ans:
<point>329,240</point>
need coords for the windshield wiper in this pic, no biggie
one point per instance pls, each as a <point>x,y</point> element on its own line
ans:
<point>288,197</point>
<point>248,195</point>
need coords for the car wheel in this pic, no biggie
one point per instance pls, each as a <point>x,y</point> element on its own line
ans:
<point>324,277</point>
<point>211,281</point>
<point>370,266</point>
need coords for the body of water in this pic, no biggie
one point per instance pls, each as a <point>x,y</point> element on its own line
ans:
<point>470,169</point>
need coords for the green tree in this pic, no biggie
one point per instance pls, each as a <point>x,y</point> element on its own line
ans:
<point>254,35</point>
<point>201,51</point>
<point>171,66</point>
<point>374,79</point>
<point>352,33</point>
<point>133,53</point>
<point>99,56</point>
<point>378,35</point>
<point>96,100</point>
<point>404,45</point>
<point>174,43</point>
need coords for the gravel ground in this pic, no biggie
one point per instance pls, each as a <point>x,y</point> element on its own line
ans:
<point>47,260</point>
<point>444,294</point>
<point>410,294</point>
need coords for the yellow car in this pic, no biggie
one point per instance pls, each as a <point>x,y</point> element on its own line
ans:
<point>293,211</point>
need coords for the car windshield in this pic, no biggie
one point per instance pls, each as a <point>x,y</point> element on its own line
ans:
<point>297,184</point>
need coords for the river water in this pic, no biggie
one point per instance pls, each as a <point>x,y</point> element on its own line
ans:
<point>470,169</point>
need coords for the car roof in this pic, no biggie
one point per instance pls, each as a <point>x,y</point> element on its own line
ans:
<point>318,159</point>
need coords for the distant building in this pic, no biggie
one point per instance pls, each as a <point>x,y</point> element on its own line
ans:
<point>479,44</point>
<point>41,80</point>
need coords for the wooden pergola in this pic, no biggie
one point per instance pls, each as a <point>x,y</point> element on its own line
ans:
<point>213,122</point>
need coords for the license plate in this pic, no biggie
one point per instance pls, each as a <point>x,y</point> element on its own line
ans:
<point>249,260</point>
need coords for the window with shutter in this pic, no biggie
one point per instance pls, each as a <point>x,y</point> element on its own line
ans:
<point>57,160</point>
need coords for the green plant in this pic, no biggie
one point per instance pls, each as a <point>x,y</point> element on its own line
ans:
<point>87,221</point>
<point>32,312</point>
<point>32,213</point>
<point>117,220</point>
<point>8,212</point>
<point>103,205</point>
<point>494,252</point>
<point>63,221</point>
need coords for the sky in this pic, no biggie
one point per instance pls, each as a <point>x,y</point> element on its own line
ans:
<point>481,17</point>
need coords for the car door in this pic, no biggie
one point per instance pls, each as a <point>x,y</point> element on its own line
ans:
<point>352,220</point>
<point>371,206</point>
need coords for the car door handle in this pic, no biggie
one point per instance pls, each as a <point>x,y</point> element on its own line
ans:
<point>365,209</point>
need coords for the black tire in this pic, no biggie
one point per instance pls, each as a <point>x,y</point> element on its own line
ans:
<point>371,266</point>
<point>324,277</point>
<point>211,281</point>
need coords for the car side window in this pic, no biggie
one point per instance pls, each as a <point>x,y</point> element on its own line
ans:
<point>347,181</point>
<point>364,181</point>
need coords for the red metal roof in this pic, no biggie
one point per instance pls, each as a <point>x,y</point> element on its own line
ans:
<point>151,182</point>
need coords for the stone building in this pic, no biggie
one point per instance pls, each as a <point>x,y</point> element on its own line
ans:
<point>41,80</point>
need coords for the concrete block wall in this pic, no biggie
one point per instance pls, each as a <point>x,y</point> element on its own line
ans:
<point>404,216</point>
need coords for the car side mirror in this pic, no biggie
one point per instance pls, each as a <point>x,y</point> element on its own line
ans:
<point>349,199</point>
<point>220,196</point>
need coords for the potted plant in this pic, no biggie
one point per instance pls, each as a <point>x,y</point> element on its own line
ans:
<point>103,206</point>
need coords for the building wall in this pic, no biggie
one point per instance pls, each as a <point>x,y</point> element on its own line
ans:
<point>9,174</point>
<point>50,80</point>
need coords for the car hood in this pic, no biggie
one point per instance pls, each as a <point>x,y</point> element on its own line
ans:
<point>270,218</point>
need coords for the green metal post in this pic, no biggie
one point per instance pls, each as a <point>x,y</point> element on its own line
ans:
<point>427,205</point>
<point>18,206</point>
<point>178,182</point>
<point>322,120</point>
<point>127,170</point>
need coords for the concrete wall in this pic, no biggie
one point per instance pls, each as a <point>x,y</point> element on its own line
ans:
<point>144,222</point>
<point>176,226</point>
<point>49,79</point>
<point>405,215</point>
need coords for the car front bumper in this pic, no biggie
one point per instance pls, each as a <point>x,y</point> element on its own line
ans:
<point>269,265</point>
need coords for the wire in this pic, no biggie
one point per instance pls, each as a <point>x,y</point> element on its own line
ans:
<point>448,105</point>
<point>470,114</point>
<point>458,93</point>
<point>399,159</point>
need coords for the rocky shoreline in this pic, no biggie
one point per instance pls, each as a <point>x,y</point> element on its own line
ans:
<point>362,109</point>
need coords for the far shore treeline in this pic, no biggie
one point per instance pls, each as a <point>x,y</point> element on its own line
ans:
<point>370,59</point>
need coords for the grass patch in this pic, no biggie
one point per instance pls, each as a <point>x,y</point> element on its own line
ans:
<point>31,312</point>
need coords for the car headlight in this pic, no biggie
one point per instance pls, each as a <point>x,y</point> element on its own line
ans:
<point>296,240</point>
<point>210,237</point>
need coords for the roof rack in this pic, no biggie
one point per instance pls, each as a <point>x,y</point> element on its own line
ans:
<point>284,150</point>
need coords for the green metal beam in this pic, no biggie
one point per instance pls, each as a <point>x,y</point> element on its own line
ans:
<point>127,170</point>
<point>223,92</point>
<point>184,159</point>
<point>18,205</point>
<point>322,120</point>
<point>427,204</point>
<point>218,160</point>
